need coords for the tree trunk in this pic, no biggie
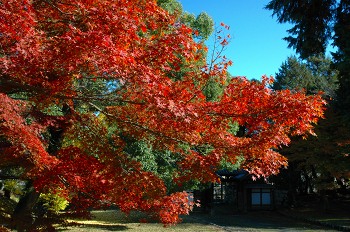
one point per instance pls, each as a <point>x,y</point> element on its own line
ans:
<point>23,216</point>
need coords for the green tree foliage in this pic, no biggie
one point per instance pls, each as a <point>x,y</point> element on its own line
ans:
<point>53,202</point>
<point>213,89</point>
<point>172,6</point>
<point>313,75</point>
<point>202,24</point>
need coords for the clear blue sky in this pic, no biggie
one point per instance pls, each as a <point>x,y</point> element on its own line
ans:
<point>256,47</point>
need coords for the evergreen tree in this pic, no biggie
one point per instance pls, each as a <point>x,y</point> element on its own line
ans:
<point>313,75</point>
<point>314,163</point>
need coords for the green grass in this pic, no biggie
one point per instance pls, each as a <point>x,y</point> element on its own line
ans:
<point>113,220</point>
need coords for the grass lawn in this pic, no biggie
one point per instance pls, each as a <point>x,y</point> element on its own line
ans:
<point>113,220</point>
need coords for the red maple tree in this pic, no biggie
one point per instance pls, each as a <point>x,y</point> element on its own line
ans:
<point>48,48</point>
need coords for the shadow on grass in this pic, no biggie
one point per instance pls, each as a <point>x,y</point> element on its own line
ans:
<point>105,227</point>
<point>258,221</point>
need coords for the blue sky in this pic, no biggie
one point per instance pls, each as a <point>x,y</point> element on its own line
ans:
<point>256,47</point>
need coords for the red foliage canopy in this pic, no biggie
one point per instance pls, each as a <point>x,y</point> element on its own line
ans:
<point>47,47</point>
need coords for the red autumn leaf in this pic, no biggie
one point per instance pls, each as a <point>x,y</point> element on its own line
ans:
<point>143,29</point>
